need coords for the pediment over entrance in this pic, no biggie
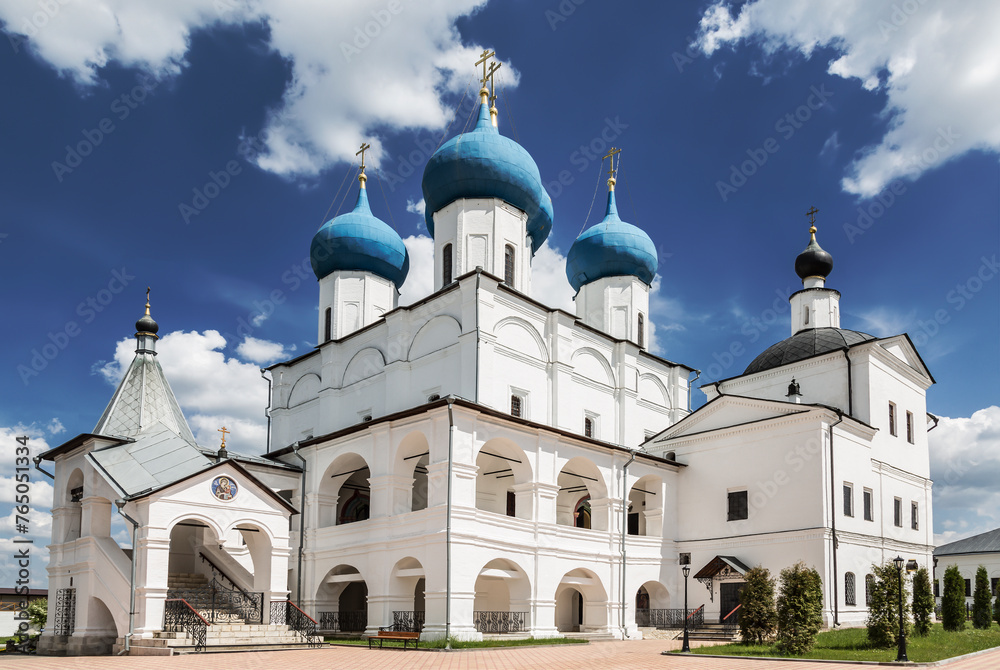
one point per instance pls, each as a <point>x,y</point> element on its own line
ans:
<point>722,567</point>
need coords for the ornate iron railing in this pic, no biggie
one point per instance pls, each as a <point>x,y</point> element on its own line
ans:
<point>180,617</point>
<point>343,622</point>
<point>217,573</point>
<point>669,618</point>
<point>219,604</point>
<point>408,621</point>
<point>500,622</point>
<point>286,613</point>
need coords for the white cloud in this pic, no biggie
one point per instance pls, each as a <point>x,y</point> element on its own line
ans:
<point>885,321</point>
<point>549,285</point>
<point>420,280</point>
<point>213,390</point>
<point>260,351</point>
<point>418,207</point>
<point>356,67</point>
<point>937,64</point>
<point>965,467</point>
<point>55,426</point>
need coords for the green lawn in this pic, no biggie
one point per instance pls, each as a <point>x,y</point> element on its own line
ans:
<point>851,644</point>
<point>464,644</point>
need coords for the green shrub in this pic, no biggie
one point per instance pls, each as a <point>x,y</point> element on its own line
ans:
<point>953,600</point>
<point>981,600</point>
<point>883,611</point>
<point>758,616</point>
<point>38,612</point>
<point>923,603</point>
<point>800,609</point>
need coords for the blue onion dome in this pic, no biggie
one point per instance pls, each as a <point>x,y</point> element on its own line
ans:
<point>813,261</point>
<point>359,241</point>
<point>146,324</point>
<point>485,164</point>
<point>611,248</point>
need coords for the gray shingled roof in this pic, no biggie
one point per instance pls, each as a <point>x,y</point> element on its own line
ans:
<point>806,344</point>
<point>157,458</point>
<point>984,543</point>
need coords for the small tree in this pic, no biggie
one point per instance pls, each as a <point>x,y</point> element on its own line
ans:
<point>883,612</point>
<point>981,600</point>
<point>758,617</point>
<point>38,612</point>
<point>953,600</point>
<point>923,603</point>
<point>800,609</point>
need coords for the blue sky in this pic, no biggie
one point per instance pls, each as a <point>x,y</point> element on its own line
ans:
<point>196,147</point>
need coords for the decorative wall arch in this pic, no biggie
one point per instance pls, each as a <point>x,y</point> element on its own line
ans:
<point>592,364</point>
<point>652,389</point>
<point>438,333</point>
<point>366,363</point>
<point>304,389</point>
<point>516,333</point>
<point>503,465</point>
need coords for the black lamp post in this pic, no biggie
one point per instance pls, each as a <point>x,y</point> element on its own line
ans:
<point>687,571</point>
<point>901,653</point>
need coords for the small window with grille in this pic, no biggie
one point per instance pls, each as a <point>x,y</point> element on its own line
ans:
<point>508,266</point>
<point>870,588</point>
<point>515,405</point>
<point>446,265</point>
<point>849,583</point>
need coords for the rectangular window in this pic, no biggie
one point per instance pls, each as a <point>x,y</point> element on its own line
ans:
<point>848,499</point>
<point>914,515</point>
<point>937,589</point>
<point>993,585</point>
<point>869,587</point>
<point>446,265</point>
<point>511,504</point>
<point>738,507</point>
<point>327,324</point>
<point>508,266</point>
<point>850,598</point>
<point>588,427</point>
<point>641,330</point>
<point>909,427</point>
<point>869,505</point>
<point>968,588</point>
<point>515,405</point>
<point>897,512</point>
<point>892,419</point>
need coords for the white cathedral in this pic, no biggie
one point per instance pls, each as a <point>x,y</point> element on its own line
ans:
<point>479,463</point>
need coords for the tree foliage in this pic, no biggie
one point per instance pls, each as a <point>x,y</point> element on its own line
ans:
<point>996,606</point>
<point>800,609</point>
<point>883,610</point>
<point>953,599</point>
<point>38,612</point>
<point>981,600</point>
<point>923,603</point>
<point>758,616</point>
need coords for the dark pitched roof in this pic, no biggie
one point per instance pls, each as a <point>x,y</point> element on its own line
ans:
<point>806,344</point>
<point>984,543</point>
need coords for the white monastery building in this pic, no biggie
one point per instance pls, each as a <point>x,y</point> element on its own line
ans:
<point>479,463</point>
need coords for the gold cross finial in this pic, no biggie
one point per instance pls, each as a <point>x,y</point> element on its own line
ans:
<point>224,431</point>
<point>812,219</point>
<point>485,56</point>
<point>147,301</point>
<point>493,69</point>
<point>612,171</point>
<point>361,152</point>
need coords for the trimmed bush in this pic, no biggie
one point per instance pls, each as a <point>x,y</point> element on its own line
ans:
<point>758,616</point>
<point>923,603</point>
<point>883,612</point>
<point>981,618</point>
<point>953,600</point>
<point>800,609</point>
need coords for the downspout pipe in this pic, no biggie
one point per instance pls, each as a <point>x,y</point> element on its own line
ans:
<point>850,384</point>
<point>833,521</point>
<point>38,466</point>
<point>621,586</point>
<point>267,410</point>
<point>302,520</point>
<point>447,529</point>
<point>120,503</point>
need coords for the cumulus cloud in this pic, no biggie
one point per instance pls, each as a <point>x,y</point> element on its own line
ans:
<point>420,280</point>
<point>965,467</point>
<point>938,66</point>
<point>260,351</point>
<point>357,68</point>
<point>549,285</point>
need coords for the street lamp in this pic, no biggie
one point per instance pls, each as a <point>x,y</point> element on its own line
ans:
<point>687,571</point>
<point>901,653</point>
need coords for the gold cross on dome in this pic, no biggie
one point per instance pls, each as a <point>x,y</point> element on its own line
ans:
<point>493,68</point>
<point>611,155</point>
<point>224,431</point>
<point>485,56</point>
<point>361,152</point>
<point>812,216</point>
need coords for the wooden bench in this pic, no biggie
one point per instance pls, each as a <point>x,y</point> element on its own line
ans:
<point>387,633</point>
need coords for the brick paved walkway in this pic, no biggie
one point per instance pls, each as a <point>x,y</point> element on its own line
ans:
<point>641,654</point>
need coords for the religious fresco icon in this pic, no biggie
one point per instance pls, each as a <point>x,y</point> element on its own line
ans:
<point>224,488</point>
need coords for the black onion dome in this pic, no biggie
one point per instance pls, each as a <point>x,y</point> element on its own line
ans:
<point>806,344</point>
<point>814,261</point>
<point>146,325</point>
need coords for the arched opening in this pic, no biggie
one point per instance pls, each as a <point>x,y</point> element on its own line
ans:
<point>344,493</point>
<point>581,483</point>
<point>101,626</point>
<point>645,507</point>
<point>342,601</point>
<point>581,602</point>
<point>502,479</point>
<point>652,605</point>
<point>72,501</point>
<point>503,593</point>
<point>412,459</point>
<point>406,588</point>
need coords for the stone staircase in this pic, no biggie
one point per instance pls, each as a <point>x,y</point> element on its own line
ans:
<point>713,632</point>
<point>229,632</point>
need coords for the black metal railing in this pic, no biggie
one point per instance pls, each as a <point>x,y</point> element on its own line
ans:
<point>286,613</point>
<point>500,622</point>
<point>731,622</point>
<point>218,603</point>
<point>180,617</point>
<point>408,621</point>
<point>218,573</point>
<point>343,622</point>
<point>669,618</point>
